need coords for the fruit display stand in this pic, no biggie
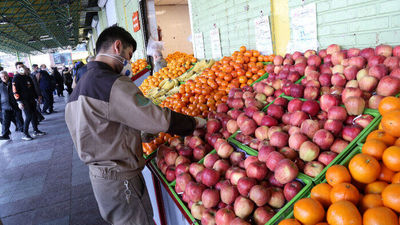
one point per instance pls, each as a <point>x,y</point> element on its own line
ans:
<point>170,187</point>
<point>361,136</point>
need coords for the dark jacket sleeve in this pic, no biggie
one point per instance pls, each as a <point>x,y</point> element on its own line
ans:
<point>36,85</point>
<point>32,89</point>
<point>16,86</point>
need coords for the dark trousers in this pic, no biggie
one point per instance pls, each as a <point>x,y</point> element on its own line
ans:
<point>30,116</point>
<point>69,88</point>
<point>48,100</point>
<point>60,90</point>
<point>18,120</point>
<point>7,116</point>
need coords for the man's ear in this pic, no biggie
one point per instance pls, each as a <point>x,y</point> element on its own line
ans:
<point>118,47</point>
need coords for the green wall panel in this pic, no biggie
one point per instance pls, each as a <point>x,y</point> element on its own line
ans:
<point>234,18</point>
<point>356,23</point>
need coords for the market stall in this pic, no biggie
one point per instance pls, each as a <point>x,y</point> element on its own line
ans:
<point>272,147</point>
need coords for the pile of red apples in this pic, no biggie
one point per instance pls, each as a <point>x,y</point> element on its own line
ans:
<point>358,78</point>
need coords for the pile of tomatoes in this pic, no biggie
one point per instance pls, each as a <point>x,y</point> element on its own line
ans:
<point>367,190</point>
<point>138,65</point>
<point>200,96</point>
<point>151,146</point>
<point>175,67</point>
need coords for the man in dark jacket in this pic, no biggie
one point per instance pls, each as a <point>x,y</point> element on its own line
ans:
<point>46,88</point>
<point>26,96</point>
<point>67,79</point>
<point>35,78</point>
<point>7,105</point>
<point>59,82</point>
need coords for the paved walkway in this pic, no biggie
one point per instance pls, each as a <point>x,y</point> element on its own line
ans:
<point>43,181</point>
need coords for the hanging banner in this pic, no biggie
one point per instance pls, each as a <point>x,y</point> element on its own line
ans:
<point>303,24</point>
<point>199,45</point>
<point>135,20</point>
<point>263,35</point>
<point>215,44</point>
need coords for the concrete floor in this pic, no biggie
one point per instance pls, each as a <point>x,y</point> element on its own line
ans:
<point>43,181</point>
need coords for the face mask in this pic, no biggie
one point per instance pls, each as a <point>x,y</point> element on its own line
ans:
<point>127,68</point>
<point>21,70</point>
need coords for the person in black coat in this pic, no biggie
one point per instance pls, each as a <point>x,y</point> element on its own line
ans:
<point>59,82</point>
<point>67,79</point>
<point>8,105</point>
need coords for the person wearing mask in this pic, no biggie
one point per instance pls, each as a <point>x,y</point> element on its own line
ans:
<point>25,95</point>
<point>46,89</point>
<point>59,82</point>
<point>159,61</point>
<point>8,105</point>
<point>67,76</point>
<point>105,116</point>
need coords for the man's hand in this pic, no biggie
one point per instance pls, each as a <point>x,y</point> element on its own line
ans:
<point>40,99</point>
<point>200,122</point>
<point>21,106</point>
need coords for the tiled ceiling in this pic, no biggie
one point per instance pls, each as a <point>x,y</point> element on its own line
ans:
<point>171,2</point>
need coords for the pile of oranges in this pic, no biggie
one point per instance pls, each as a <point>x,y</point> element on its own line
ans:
<point>200,96</point>
<point>367,191</point>
<point>138,65</point>
<point>175,67</point>
<point>180,55</point>
<point>151,146</point>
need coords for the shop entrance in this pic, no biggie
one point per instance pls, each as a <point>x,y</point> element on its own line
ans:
<point>173,23</point>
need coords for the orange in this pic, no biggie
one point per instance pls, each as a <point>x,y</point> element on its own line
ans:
<point>321,192</point>
<point>382,136</point>
<point>370,201</point>
<point>374,148</point>
<point>386,174</point>
<point>323,223</point>
<point>289,222</point>
<point>308,211</point>
<point>344,191</point>
<point>337,174</point>
<point>391,158</point>
<point>380,215</point>
<point>364,168</point>
<point>375,187</point>
<point>242,49</point>
<point>396,178</point>
<point>391,123</point>
<point>391,197</point>
<point>343,213</point>
<point>388,104</point>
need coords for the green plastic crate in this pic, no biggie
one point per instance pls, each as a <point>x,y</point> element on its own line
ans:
<point>153,162</point>
<point>373,127</point>
<point>363,134</point>
<point>265,76</point>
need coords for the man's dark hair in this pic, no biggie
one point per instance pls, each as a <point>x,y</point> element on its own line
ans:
<point>18,63</point>
<point>34,65</point>
<point>110,35</point>
<point>1,68</point>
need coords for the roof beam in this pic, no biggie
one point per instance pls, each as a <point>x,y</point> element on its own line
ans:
<point>10,37</point>
<point>29,8</point>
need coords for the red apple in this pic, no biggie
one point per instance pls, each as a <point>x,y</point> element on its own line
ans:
<point>245,184</point>
<point>309,127</point>
<point>221,166</point>
<point>279,139</point>
<point>197,210</point>
<point>264,151</point>
<point>257,170</point>
<point>350,132</point>
<point>258,116</point>
<point>278,60</point>
<point>392,62</point>
<point>385,50</point>
<point>334,126</point>
<point>291,189</point>
<point>199,152</point>
<point>182,180</point>
<point>224,216</point>
<point>374,101</point>
<point>236,158</point>
<point>396,51</point>
<point>208,217</point>
<point>364,120</point>
<point>338,69</point>
<point>288,152</point>
<point>354,105</point>
<point>210,159</point>
<point>277,199</point>
<point>378,71</point>
<point>170,173</point>
<point>375,60</point>
<point>313,168</point>
<point>323,139</point>
<point>367,52</point>
<point>275,111</point>
<point>350,72</point>
<point>236,175</point>
<point>286,171</point>
<point>368,83</point>
<point>224,150</point>
<point>388,86</point>
<point>395,72</point>
<point>228,194</point>
<point>195,168</point>
<point>338,145</point>
<point>310,107</point>
<point>337,58</point>
<point>232,126</point>
<point>296,140</point>
<point>210,198</point>
<point>273,159</point>
<point>332,49</point>
<point>263,214</point>
<point>243,207</point>
<point>350,92</point>
<point>182,168</point>
<point>194,191</point>
<point>268,121</point>
<point>327,157</point>
<point>352,84</point>
<point>327,101</point>
<point>260,195</point>
<point>308,151</point>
